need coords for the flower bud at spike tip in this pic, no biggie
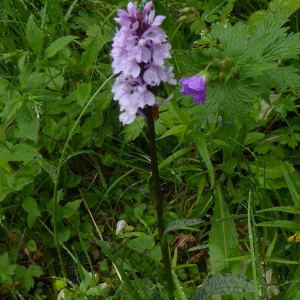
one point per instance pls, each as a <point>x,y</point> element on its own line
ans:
<point>222,76</point>
<point>182,19</point>
<point>235,72</point>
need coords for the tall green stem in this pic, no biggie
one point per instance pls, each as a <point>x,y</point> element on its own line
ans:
<point>56,182</point>
<point>159,203</point>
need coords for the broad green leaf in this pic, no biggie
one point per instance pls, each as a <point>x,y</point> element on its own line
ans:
<point>292,225</point>
<point>179,287</point>
<point>271,170</point>
<point>142,243</point>
<point>91,123</point>
<point>133,130</point>
<point>36,271</point>
<point>255,18</point>
<point>69,209</point>
<point>63,232</point>
<point>172,157</point>
<point>31,207</point>
<point>4,164</point>
<point>290,184</point>
<point>21,152</point>
<point>90,54</point>
<point>28,124</point>
<point>296,296</point>
<point>142,263</point>
<point>34,35</point>
<point>4,191</point>
<point>284,5</point>
<point>282,261</point>
<point>57,81</point>
<point>177,224</point>
<point>58,45</point>
<point>36,81</point>
<point>199,140</point>
<point>176,130</point>
<point>83,93</point>
<point>223,284</point>
<point>49,168</point>
<point>287,209</point>
<point>27,280</point>
<point>223,238</point>
<point>31,245</point>
<point>253,137</point>
<point>6,268</point>
<point>10,110</point>
<point>203,206</point>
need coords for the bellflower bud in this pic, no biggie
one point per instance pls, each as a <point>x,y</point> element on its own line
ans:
<point>196,86</point>
<point>139,49</point>
<point>235,72</point>
<point>222,76</point>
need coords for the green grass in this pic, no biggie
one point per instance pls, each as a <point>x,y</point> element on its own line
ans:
<point>69,171</point>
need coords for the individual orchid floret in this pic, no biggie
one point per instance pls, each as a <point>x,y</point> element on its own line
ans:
<point>195,86</point>
<point>139,50</point>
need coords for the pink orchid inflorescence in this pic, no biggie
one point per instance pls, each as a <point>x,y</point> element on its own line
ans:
<point>138,51</point>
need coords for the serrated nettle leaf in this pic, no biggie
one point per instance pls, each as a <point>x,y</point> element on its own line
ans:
<point>223,237</point>
<point>58,45</point>
<point>83,93</point>
<point>223,284</point>
<point>69,209</point>
<point>177,224</point>
<point>34,35</point>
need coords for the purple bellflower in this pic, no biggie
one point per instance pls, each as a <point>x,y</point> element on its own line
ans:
<point>139,49</point>
<point>196,86</point>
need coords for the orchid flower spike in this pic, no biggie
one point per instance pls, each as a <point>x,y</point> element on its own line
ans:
<point>139,49</point>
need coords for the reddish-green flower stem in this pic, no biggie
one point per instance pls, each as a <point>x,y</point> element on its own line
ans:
<point>159,203</point>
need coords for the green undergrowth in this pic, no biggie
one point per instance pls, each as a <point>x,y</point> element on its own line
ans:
<point>229,169</point>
